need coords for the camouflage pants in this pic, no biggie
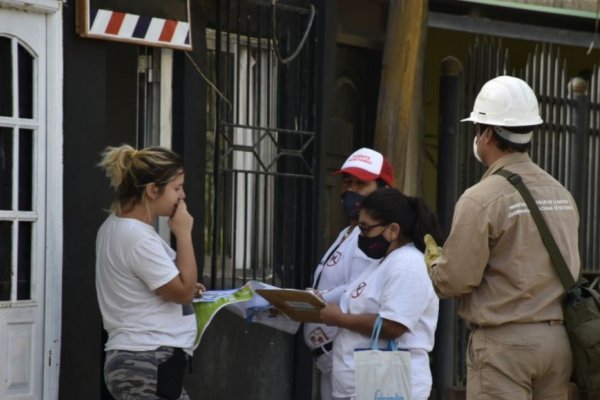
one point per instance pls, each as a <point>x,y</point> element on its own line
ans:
<point>145,375</point>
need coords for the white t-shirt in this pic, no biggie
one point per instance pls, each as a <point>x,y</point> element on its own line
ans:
<point>341,264</point>
<point>132,261</point>
<point>398,289</point>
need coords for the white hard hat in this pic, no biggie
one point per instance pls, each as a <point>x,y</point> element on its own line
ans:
<point>506,101</point>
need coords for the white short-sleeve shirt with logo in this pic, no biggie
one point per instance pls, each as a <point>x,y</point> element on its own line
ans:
<point>398,289</point>
<point>340,265</point>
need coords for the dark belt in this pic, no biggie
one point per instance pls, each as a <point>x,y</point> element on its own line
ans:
<point>319,351</point>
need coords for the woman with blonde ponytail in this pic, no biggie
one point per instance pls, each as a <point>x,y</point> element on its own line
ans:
<point>145,288</point>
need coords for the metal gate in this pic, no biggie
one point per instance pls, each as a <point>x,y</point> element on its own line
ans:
<point>261,144</point>
<point>567,145</point>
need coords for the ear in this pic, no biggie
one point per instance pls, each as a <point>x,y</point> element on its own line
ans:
<point>394,231</point>
<point>488,135</point>
<point>152,191</point>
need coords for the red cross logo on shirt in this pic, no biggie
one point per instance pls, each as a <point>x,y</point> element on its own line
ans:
<point>334,259</point>
<point>358,290</point>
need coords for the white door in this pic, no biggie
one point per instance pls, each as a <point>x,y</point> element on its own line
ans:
<point>22,203</point>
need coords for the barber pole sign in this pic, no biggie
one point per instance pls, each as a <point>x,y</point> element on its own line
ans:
<point>163,23</point>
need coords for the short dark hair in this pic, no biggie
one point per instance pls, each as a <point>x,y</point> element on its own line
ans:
<point>381,183</point>
<point>505,145</point>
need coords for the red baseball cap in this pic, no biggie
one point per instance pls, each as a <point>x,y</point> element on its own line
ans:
<point>367,165</point>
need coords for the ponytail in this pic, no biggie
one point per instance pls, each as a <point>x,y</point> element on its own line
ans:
<point>426,222</point>
<point>130,171</point>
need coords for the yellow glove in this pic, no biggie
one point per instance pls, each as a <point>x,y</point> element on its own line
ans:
<point>432,251</point>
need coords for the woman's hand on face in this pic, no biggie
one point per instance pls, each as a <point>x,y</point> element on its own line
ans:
<point>330,314</point>
<point>181,222</point>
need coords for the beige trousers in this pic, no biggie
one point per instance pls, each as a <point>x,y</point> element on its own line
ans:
<point>519,362</point>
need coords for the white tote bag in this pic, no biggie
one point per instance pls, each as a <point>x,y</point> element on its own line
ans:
<point>382,374</point>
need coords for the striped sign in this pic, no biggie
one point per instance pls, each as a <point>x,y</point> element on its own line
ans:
<point>152,31</point>
<point>155,29</point>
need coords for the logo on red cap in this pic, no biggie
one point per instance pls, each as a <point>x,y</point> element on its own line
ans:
<point>360,158</point>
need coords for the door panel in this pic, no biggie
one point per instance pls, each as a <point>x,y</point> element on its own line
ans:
<point>22,210</point>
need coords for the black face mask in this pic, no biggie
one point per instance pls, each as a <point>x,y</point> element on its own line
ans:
<point>374,247</point>
<point>351,202</point>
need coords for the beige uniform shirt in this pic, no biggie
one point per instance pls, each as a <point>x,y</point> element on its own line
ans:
<point>494,259</point>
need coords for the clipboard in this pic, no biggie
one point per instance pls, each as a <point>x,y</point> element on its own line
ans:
<point>298,305</point>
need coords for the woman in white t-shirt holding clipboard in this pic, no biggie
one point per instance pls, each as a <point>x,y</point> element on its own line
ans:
<point>397,288</point>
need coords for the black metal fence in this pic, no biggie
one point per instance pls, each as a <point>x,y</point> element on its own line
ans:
<point>261,144</point>
<point>567,145</point>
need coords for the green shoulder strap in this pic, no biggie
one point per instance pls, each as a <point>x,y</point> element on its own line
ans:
<point>559,262</point>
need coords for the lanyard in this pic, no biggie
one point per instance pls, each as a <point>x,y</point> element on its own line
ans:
<point>331,253</point>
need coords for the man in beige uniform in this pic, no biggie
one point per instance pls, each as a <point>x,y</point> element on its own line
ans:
<point>495,262</point>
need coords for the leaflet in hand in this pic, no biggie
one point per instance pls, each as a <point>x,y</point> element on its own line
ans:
<point>243,302</point>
